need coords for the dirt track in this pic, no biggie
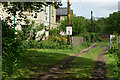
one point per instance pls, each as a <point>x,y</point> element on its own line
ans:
<point>56,72</point>
<point>100,66</point>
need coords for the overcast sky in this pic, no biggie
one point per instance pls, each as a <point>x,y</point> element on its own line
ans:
<point>100,8</point>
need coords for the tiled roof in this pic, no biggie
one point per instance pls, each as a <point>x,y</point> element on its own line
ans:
<point>62,11</point>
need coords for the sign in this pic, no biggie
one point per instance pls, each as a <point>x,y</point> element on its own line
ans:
<point>111,36</point>
<point>68,30</point>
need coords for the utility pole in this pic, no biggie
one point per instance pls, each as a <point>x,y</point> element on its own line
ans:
<point>92,21</point>
<point>69,23</point>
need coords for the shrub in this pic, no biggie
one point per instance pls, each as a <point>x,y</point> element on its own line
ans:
<point>52,38</point>
<point>62,40</point>
<point>51,45</point>
<point>11,50</point>
<point>95,37</point>
<point>46,44</point>
<point>86,44</point>
<point>54,32</point>
<point>116,53</point>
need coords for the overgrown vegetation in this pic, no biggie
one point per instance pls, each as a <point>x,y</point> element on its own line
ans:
<point>113,60</point>
<point>11,51</point>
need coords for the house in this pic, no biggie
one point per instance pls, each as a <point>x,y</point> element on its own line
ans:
<point>47,16</point>
<point>61,13</point>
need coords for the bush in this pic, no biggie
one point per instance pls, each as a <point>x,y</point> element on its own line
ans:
<point>54,32</point>
<point>11,51</point>
<point>86,44</point>
<point>62,40</point>
<point>95,37</point>
<point>116,53</point>
<point>46,44</point>
<point>52,38</point>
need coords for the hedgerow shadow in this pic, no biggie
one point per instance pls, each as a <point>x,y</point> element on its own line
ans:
<point>36,62</point>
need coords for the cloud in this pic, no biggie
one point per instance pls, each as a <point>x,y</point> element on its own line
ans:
<point>100,9</point>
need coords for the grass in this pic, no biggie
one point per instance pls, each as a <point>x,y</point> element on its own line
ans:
<point>83,65</point>
<point>37,61</point>
<point>112,69</point>
<point>112,66</point>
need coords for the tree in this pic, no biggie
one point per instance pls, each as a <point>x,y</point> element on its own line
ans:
<point>14,8</point>
<point>100,25</point>
<point>77,23</point>
<point>113,23</point>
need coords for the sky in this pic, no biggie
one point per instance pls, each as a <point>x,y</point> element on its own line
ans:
<point>100,8</point>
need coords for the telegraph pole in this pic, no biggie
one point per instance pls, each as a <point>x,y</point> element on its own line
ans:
<point>68,11</point>
<point>91,21</point>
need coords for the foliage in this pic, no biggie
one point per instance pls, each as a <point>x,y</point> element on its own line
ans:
<point>11,50</point>
<point>62,40</point>
<point>53,38</point>
<point>29,31</point>
<point>100,25</point>
<point>95,37</point>
<point>14,8</point>
<point>113,23</point>
<point>87,44</point>
<point>54,32</point>
<point>90,37</point>
<point>20,35</point>
<point>111,66</point>
<point>86,36</point>
<point>107,25</point>
<point>114,53</point>
<point>103,25</point>
<point>35,28</point>
<point>27,21</point>
<point>46,44</point>
<point>77,23</point>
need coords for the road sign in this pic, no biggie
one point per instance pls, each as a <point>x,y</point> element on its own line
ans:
<point>68,30</point>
